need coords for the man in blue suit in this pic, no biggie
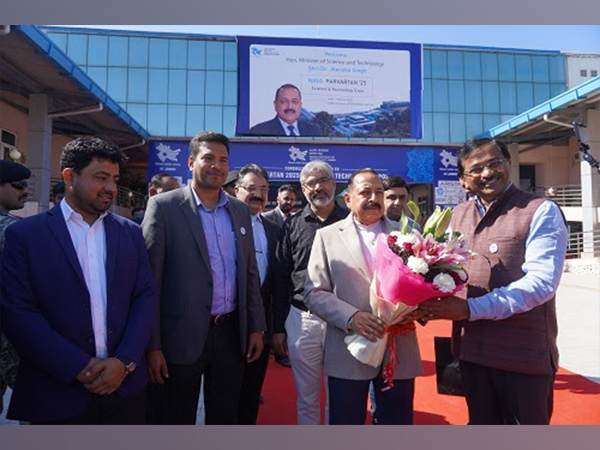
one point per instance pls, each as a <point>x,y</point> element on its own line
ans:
<point>288,106</point>
<point>78,299</point>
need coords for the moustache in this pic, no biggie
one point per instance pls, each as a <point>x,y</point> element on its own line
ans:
<point>290,110</point>
<point>372,205</point>
<point>257,199</point>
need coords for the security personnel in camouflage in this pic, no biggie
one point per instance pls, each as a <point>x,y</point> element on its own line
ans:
<point>13,195</point>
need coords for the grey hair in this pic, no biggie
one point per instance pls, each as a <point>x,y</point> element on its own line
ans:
<point>316,166</point>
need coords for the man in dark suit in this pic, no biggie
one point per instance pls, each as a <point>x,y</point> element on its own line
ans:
<point>210,317</point>
<point>288,106</point>
<point>252,188</point>
<point>286,197</point>
<point>78,300</point>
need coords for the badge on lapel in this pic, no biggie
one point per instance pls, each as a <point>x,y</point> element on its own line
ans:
<point>243,231</point>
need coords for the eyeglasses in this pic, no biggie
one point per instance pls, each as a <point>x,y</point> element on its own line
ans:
<point>313,183</point>
<point>253,189</point>
<point>20,185</point>
<point>493,165</point>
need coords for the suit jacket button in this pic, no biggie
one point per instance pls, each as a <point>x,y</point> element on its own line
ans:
<point>91,340</point>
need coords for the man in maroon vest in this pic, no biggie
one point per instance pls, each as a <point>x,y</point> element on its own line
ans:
<point>505,332</point>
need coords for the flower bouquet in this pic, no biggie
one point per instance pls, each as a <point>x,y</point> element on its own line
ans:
<point>409,268</point>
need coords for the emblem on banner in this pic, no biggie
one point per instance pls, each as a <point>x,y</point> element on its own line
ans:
<point>297,154</point>
<point>165,152</point>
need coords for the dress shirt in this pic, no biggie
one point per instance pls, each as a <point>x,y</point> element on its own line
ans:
<point>293,252</point>
<point>543,268</point>
<point>368,239</point>
<point>220,241</point>
<point>285,126</point>
<point>261,246</point>
<point>90,246</point>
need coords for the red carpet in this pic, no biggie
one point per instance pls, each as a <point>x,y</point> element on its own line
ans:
<point>576,399</point>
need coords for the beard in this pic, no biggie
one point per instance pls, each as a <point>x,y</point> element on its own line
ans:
<point>321,202</point>
<point>285,208</point>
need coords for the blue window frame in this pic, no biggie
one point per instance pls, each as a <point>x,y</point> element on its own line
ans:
<point>138,52</point>
<point>118,48</point>
<point>98,51</point>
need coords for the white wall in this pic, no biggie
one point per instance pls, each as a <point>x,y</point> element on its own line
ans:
<point>576,62</point>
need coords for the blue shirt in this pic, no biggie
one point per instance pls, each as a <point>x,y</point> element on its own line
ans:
<point>545,248</point>
<point>220,240</point>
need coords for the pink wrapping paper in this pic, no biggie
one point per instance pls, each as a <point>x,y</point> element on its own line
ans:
<point>395,282</point>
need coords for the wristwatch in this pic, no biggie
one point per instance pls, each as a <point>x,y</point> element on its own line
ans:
<point>130,365</point>
<point>350,322</point>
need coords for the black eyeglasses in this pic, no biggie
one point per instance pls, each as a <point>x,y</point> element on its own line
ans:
<point>312,184</point>
<point>493,165</point>
<point>20,185</point>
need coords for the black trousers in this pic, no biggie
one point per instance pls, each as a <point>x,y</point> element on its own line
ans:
<point>499,397</point>
<point>108,410</point>
<point>252,383</point>
<point>348,401</point>
<point>221,365</point>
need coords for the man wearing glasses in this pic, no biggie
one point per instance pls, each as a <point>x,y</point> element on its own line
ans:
<point>505,327</point>
<point>305,331</point>
<point>13,195</point>
<point>252,188</point>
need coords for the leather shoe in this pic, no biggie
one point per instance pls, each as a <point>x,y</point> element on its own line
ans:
<point>284,361</point>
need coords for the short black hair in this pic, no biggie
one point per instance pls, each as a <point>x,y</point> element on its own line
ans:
<point>207,136</point>
<point>252,168</point>
<point>80,152</point>
<point>137,209</point>
<point>358,172</point>
<point>286,187</point>
<point>395,181</point>
<point>287,86</point>
<point>58,188</point>
<point>473,144</point>
<point>158,179</point>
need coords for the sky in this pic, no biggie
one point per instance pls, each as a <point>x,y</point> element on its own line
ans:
<point>576,38</point>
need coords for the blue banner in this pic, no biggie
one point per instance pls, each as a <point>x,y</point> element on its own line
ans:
<point>330,88</point>
<point>283,161</point>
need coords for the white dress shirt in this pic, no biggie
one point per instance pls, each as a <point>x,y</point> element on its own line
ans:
<point>286,126</point>
<point>90,246</point>
<point>368,239</point>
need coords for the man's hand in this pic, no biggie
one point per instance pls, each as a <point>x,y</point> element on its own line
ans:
<point>368,325</point>
<point>84,376</point>
<point>255,346</point>
<point>411,317</point>
<point>449,308</point>
<point>109,374</point>
<point>158,371</point>
<point>279,344</point>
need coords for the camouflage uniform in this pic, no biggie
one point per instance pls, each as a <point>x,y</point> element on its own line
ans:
<point>9,358</point>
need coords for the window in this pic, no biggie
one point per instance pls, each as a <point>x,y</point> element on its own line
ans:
<point>593,73</point>
<point>583,72</point>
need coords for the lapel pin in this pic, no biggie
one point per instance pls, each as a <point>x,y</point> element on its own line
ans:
<point>494,248</point>
<point>243,231</point>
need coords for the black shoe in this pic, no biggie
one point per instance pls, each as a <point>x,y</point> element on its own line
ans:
<point>284,361</point>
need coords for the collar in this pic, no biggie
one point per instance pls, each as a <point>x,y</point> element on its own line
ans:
<point>338,211</point>
<point>374,227</point>
<point>223,200</point>
<point>285,125</point>
<point>69,212</point>
<point>503,195</point>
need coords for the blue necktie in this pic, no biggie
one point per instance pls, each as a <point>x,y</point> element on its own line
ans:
<point>291,128</point>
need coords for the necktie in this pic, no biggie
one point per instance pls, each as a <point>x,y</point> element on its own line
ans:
<point>291,128</point>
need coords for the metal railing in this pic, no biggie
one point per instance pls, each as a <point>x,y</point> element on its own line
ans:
<point>583,241</point>
<point>126,198</point>
<point>568,195</point>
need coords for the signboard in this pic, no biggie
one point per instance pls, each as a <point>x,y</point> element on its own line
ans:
<point>284,161</point>
<point>329,88</point>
